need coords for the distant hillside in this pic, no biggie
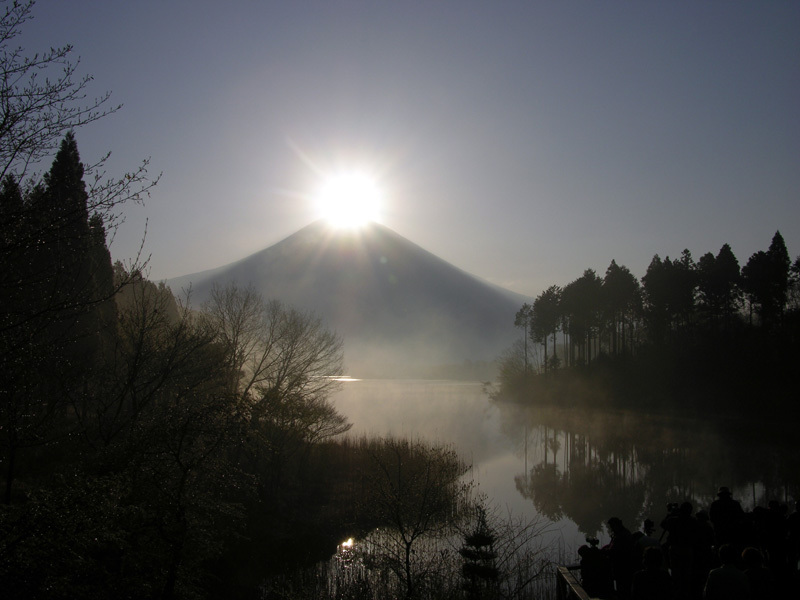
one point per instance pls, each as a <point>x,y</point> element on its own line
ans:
<point>399,308</point>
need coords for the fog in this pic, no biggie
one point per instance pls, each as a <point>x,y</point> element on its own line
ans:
<point>578,468</point>
<point>400,310</point>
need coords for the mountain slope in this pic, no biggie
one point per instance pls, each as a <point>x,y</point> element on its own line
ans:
<point>396,305</point>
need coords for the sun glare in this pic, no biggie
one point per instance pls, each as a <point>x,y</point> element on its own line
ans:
<point>349,200</point>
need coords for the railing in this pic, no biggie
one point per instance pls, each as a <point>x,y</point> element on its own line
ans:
<point>567,585</point>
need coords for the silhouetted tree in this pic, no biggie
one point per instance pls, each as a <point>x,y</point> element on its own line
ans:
<point>719,285</point>
<point>43,102</point>
<point>166,425</point>
<point>58,310</point>
<point>620,298</point>
<point>479,570</point>
<point>794,285</point>
<point>546,318</point>
<point>284,365</point>
<point>37,109</point>
<point>75,265</point>
<point>655,286</point>
<point>55,307</point>
<point>581,303</point>
<point>413,491</point>
<point>669,295</point>
<point>684,285</point>
<point>523,320</point>
<point>765,279</point>
<point>755,282</point>
<point>780,266</point>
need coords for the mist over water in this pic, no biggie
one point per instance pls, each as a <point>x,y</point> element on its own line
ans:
<point>450,412</point>
<point>578,468</point>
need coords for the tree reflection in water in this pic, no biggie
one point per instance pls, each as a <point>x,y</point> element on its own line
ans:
<point>589,466</point>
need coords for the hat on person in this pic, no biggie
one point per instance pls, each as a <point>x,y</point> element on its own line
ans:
<point>723,491</point>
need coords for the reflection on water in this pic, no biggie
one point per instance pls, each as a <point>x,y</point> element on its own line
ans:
<point>578,468</point>
<point>588,467</point>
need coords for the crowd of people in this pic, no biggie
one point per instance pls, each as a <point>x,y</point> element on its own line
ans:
<point>719,553</point>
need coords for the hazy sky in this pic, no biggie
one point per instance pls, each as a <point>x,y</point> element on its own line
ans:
<point>521,141</point>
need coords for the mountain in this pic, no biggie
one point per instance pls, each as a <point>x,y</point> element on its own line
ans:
<point>399,308</point>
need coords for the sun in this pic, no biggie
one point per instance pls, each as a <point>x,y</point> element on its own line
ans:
<point>349,200</point>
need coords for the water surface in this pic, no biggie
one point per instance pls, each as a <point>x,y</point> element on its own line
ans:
<point>577,468</point>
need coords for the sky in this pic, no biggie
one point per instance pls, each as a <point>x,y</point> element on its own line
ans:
<point>521,141</point>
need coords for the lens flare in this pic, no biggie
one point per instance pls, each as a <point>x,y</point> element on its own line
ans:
<point>349,200</point>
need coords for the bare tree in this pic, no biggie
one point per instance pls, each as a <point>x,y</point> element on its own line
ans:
<point>275,350</point>
<point>36,110</point>
<point>283,365</point>
<point>414,493</point>
<point>42,97</point>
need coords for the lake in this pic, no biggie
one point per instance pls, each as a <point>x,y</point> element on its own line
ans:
<point>577,468</point>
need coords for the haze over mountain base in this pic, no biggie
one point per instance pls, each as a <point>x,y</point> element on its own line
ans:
<point>401,310</point>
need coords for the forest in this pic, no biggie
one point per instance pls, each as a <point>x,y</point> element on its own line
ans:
<point>154,449</point>
<point>706,336</point>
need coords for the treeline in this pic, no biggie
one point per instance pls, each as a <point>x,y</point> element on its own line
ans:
<point>688,331</point>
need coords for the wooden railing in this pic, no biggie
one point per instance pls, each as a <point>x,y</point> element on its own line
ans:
<point>567,585</point>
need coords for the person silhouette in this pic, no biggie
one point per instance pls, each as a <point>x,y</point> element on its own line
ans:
<point>726,515</point>
<point>682,528</point>
<point>653,581</point>
<point>622,552</point>
<point>727,582</point>
<point>761,580</point>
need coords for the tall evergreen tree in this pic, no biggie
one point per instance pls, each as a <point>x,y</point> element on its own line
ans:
<point>58,309</point>
<point>620,293</point>
<point>13,267</point>
<point>780,266</point>
<point>546,319</point>
<point>683,286</point>
<point>581,300</point>
<point>794,286</point>
<point>669,293</point>
<point>655,286</point>
<point>523,320</point>
<point>755,282</point>
<point>78,265</point>
<point>718,279</point>
<point>479,569</point>
<point>766,282</point>
<point>10,203</point>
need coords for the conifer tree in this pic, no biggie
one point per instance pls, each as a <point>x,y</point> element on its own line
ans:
<point>75,262</point>
<point>620,293</point>
<point>719,285</point>
<point>545,321</point>
<point>479,570</point>
<point>780,265</point>
<point>58,309</point>
<point>765,279</point>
